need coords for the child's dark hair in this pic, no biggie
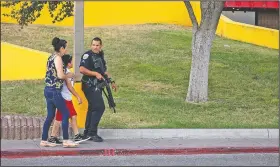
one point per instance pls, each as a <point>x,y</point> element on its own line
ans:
<point>97,39</point>
<point>66,59</point>
<point>58,43</point>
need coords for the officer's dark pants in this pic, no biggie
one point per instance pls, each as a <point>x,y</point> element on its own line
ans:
<point>96,108</point>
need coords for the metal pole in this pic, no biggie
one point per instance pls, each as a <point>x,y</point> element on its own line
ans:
<point>78,51</point>
<point>279,63</point>
<point>78,36</point>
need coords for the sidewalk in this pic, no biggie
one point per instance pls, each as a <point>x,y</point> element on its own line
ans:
<point>121,147</point>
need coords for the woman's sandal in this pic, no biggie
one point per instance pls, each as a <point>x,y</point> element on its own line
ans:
<point>47,144</point>
<point>69,143</point>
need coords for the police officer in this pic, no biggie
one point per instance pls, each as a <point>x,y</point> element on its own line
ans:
<point>93,67</point>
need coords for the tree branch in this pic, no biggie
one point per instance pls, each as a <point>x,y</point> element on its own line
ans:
<point>191,14</point>
<point>219,6</point>
<point>30,11</point>
<point>210,14</point>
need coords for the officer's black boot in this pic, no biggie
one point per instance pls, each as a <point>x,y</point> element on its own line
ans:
<point>93,135</point>
<point>96,138</point>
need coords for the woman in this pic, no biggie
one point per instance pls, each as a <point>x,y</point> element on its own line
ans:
<point>54,82</point>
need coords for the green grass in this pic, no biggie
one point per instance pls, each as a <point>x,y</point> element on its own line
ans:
<point>151,64</point>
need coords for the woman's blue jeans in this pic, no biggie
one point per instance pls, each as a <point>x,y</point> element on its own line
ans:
<point>55,101</point>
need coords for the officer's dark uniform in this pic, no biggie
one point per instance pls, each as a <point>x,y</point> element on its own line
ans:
<point>94,62</point>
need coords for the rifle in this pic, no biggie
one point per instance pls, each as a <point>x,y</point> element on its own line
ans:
<point>105,83</point>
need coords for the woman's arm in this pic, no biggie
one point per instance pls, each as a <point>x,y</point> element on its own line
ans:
<point>59,68</point>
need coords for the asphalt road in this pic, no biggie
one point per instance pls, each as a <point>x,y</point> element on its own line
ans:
<point>154,160</point>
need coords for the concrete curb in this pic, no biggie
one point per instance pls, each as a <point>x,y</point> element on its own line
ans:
<point>22,128</point>
<point>28,153</point>
<point>188,133</point>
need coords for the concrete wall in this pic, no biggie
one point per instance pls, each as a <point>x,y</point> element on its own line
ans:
<point>240,16</point>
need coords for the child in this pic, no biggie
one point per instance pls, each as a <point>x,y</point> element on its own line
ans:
<point>67,91</point>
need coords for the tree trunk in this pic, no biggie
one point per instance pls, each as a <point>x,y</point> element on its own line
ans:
<point>203,37</point>
<point>198,83</point>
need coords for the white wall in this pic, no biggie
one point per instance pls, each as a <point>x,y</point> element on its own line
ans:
<point>240,16</point>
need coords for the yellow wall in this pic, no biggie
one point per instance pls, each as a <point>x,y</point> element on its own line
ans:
<point>17,63</point>
<point>248,33</point>
<point>115,13</point>
<point>135,12</point>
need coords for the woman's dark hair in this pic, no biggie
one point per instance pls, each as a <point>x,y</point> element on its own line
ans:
<point>58,43</point>
<point>66,59</point>
<point>97,39</point>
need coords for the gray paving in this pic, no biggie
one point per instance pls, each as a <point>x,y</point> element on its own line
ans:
<point>188,133</point>
<point>147,143</point>
<point>19,144</point>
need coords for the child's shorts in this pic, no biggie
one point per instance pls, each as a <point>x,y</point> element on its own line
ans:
<point>72,111</point>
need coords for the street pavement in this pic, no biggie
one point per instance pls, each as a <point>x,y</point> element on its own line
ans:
<point>256,159</point>
<point>120,147</point>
